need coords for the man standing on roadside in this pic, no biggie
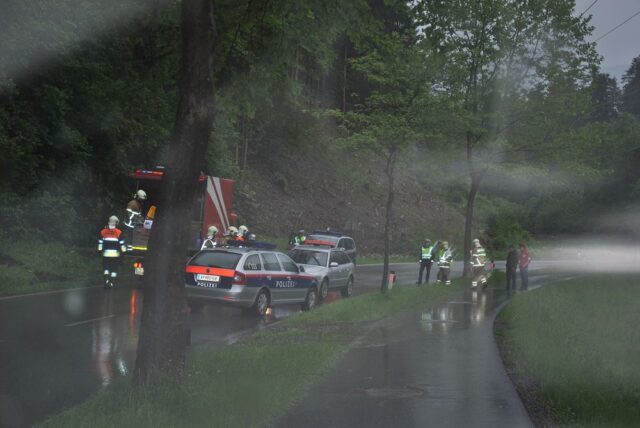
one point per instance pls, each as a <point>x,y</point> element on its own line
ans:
<point>426,260</point>
<point>511,268</point>
<point>525,259</point>
<point>445,256</point>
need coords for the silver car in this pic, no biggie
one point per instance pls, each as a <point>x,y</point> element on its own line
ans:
<point>249,278</point>
<point>332,268</point>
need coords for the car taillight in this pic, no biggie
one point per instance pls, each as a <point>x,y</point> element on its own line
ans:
<point>240,279</point>
<point>137,265</point>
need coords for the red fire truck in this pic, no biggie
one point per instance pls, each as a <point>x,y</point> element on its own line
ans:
<point>213,207</point>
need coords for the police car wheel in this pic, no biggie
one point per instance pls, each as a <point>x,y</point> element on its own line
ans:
<point>261,304</point>
<point>347,291</point>
<point>324,290</point>
<point>310,300</point>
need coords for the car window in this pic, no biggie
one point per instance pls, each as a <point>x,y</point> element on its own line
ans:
<point>309,257</point>
<point>253,263</point>
<point>288,264</point>
<point>219,259</point>
<point>334,257</point>
<point>349,244</point>
<point>343,258</point>
<point>270,262</point>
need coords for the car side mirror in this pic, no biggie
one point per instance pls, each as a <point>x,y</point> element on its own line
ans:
<point>333,264</point>
<point>301,269</point>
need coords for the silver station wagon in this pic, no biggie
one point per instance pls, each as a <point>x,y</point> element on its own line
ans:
<point>332,268</point>
<point>249,278</point>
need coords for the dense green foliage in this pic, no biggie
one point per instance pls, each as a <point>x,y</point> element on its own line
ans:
<point>591,322</point>
<point>88,93</point>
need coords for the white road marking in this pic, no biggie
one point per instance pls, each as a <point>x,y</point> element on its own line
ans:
<point>73,324</point>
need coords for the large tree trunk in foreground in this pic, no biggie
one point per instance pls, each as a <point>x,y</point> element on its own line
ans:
<point>163,334</point>
<point>468,223</point>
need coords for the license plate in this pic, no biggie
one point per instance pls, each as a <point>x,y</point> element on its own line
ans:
<point>207,284</point>
<point>208,278</point>
<point>139,271</point>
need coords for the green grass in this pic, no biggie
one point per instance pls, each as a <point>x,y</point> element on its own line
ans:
<point>247,384</point>
<point>30,266</point>
<point>580,341</point>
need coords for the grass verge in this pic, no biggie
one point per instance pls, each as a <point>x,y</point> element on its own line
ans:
<point>371,259</point>
<point>28,266</point>
<point>250,383</point>
<point>572,349</point>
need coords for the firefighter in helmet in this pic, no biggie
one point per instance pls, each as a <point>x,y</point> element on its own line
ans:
<point>478,259</point>
<point>111,244</point>
<point>445,257</point>
<point>134,208</point>
<point>243,233</point>
<point>210,242</point>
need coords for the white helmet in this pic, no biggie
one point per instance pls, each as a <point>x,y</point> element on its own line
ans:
<point>113,220</point>
<point>232,231</point>
<point>213,231</point>
<point>476,242</point>
<point>243,230</point>
<point>141,194</point>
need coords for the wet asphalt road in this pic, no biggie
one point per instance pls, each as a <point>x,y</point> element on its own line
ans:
<point>437,366</point>
<point>57,349</point>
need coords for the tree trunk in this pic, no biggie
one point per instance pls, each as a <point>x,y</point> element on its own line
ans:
<point>391,160</point>
<point>163,334</point>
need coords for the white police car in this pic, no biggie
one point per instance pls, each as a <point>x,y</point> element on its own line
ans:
<point>250,278</point>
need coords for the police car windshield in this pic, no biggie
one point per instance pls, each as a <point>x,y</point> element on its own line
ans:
<point>309,257</point>
<point>326,238</point>
<point>219,259</point>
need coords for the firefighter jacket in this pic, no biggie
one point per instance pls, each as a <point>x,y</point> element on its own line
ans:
<point>111,242</point>
<point>445,256</point>
<point>478,257</point>
<point>426,253</point>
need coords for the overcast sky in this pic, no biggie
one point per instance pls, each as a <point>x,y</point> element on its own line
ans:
<point>621,46</point>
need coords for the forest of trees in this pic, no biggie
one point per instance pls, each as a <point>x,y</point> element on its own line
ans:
<point>502,91</point>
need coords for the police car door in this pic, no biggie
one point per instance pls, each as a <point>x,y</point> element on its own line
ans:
<point>274,278</point>
<point>297,290</point>
<point>336,276</point>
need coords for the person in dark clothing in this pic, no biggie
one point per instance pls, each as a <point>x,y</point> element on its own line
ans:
<point>512,266</point>
<point>426,259</point>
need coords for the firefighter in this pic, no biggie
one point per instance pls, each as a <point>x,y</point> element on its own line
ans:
<point>445,256</point>
<point>134,208</point>
<point>111,244</point>
<point>426,259</point>
<point>243,232</point>
<point>478,259</point>
<point>210,242</point>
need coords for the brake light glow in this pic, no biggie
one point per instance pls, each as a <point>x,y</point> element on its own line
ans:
<point>137,265</point>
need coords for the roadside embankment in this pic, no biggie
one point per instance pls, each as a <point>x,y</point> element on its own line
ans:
<point>249,383</point>
<point>29,266</point>
<point>572,349</point>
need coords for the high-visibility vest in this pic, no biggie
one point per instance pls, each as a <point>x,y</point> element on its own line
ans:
<point>111,242</point>
<point>478,257</point>
<point>426,252</point>
<point>444,258</point>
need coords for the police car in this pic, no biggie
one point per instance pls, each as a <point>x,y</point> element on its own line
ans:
<point>333,239</point>
<point>250,278</point>
<point>332,267</point>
